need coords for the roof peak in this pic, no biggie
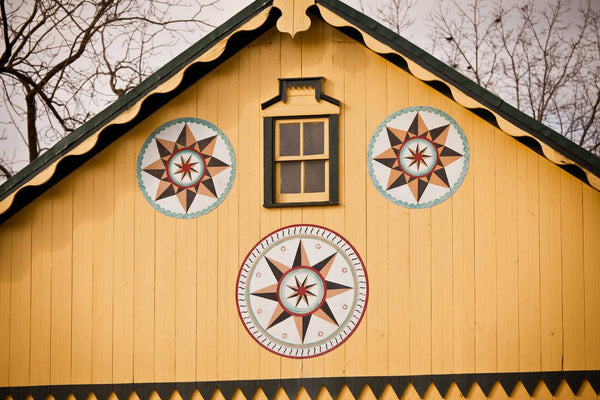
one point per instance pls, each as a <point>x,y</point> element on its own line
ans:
<point>294,18</point>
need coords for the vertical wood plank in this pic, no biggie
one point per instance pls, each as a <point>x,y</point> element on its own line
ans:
<point>398,250</point>
<point>41,269</point>
<point>550,267</point>
<point>441,273</point>
<point>506,254</point>
<point>6,232</point>
<point>485,247</point>
<point>355,159</point>
<point>333,218</point>
<point>534,260</point>
<point>573,279</point>
<point>227,233</point>
<point>420,268</point>
<point>503,232</point>
<point>123,278</point>
<point>164,297</point>
<point>248,178</point>
<point>578,282</point>
<point>523,246</point>
<point>185,273</point>
<point>60,350</point>
<point>596,282</point>
<point>567,272</point>
<point>207,282</point>
<point>144,274</point>
<point>376,222</point>
<point>83,242</point>
<point>528,233</point>
<point>463,242</point>
<point>102,287</point>
<point>20,300</point>
<point>166,240</point>
<point>591,269</point>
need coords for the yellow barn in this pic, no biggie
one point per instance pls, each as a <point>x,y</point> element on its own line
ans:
<point>303,205</point>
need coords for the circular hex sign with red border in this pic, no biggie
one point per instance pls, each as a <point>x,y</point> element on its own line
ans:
<point>302,291</point>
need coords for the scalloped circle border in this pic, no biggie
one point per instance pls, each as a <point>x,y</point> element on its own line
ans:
<point>382,127</point>
<point>221,197</point>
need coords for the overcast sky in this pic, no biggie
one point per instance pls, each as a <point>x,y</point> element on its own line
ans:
<point>419,33</point>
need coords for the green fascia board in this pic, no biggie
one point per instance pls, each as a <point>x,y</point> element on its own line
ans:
<point>540,131</point>
<point>107,115</point>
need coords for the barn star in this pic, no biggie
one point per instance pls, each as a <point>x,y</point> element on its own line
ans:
<point>185,168</point>
<point>418,157</point>
<point>302,291</point>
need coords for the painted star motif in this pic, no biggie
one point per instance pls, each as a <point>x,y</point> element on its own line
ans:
<point>204,186</point>
<point>399,176</point>
<point>418,157</point>
<point>186,167</point>
<point>301,291</point>
<point>323,311</point>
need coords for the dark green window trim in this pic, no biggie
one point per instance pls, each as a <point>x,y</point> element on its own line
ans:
<point>269,162</point>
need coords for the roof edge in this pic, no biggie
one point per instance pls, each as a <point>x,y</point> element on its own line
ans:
<point>447,75</point>
<point>129,100</point>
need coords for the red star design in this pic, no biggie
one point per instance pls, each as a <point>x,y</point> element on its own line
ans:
<point>167,149</point>
<point>186,167</point>
<point>418,157</point>
<point>301,291</point>
<point>437,176</point>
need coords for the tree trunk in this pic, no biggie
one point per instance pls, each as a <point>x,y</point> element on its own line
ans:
<point>32,134</point>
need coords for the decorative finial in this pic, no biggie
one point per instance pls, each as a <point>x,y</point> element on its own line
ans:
<point>293,15</point>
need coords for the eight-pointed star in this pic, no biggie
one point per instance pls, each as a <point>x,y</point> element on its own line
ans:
<point>444,157</point>
<point>301,261</point>
<point>204,186</point>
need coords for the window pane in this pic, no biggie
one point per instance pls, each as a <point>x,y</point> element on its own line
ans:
<point>290,177</point>
<point>289,139</point>
<point>314,138</point>
<point>314,176</point>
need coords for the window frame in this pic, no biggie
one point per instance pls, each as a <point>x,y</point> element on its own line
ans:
<point>272,195</point>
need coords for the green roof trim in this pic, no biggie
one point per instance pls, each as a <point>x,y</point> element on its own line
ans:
<point>107,115</point>
<point>540,131</point>
<point>581,157</point>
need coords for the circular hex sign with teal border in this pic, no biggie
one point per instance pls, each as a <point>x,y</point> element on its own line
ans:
<point>186,168</point>
<point>418,157</point>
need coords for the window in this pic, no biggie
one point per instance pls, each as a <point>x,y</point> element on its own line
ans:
<point>301,150</point>
<point>301,160</point>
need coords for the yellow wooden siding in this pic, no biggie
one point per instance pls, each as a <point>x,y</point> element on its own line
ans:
<point>98,287</point>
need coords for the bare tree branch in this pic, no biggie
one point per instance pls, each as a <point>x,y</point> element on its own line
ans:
<point>60,56</point>
<point>531,56</point>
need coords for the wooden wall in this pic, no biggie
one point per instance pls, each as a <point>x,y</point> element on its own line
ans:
<point>97,287</point>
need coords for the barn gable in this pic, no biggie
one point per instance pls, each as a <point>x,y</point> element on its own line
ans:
<point>103,293</point>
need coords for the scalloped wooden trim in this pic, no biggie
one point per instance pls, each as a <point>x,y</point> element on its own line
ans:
<point>129,114</point>
<point>459,96</point>
<point>293,15</point>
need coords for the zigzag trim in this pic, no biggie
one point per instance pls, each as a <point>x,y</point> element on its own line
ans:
<point>334,385</point>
